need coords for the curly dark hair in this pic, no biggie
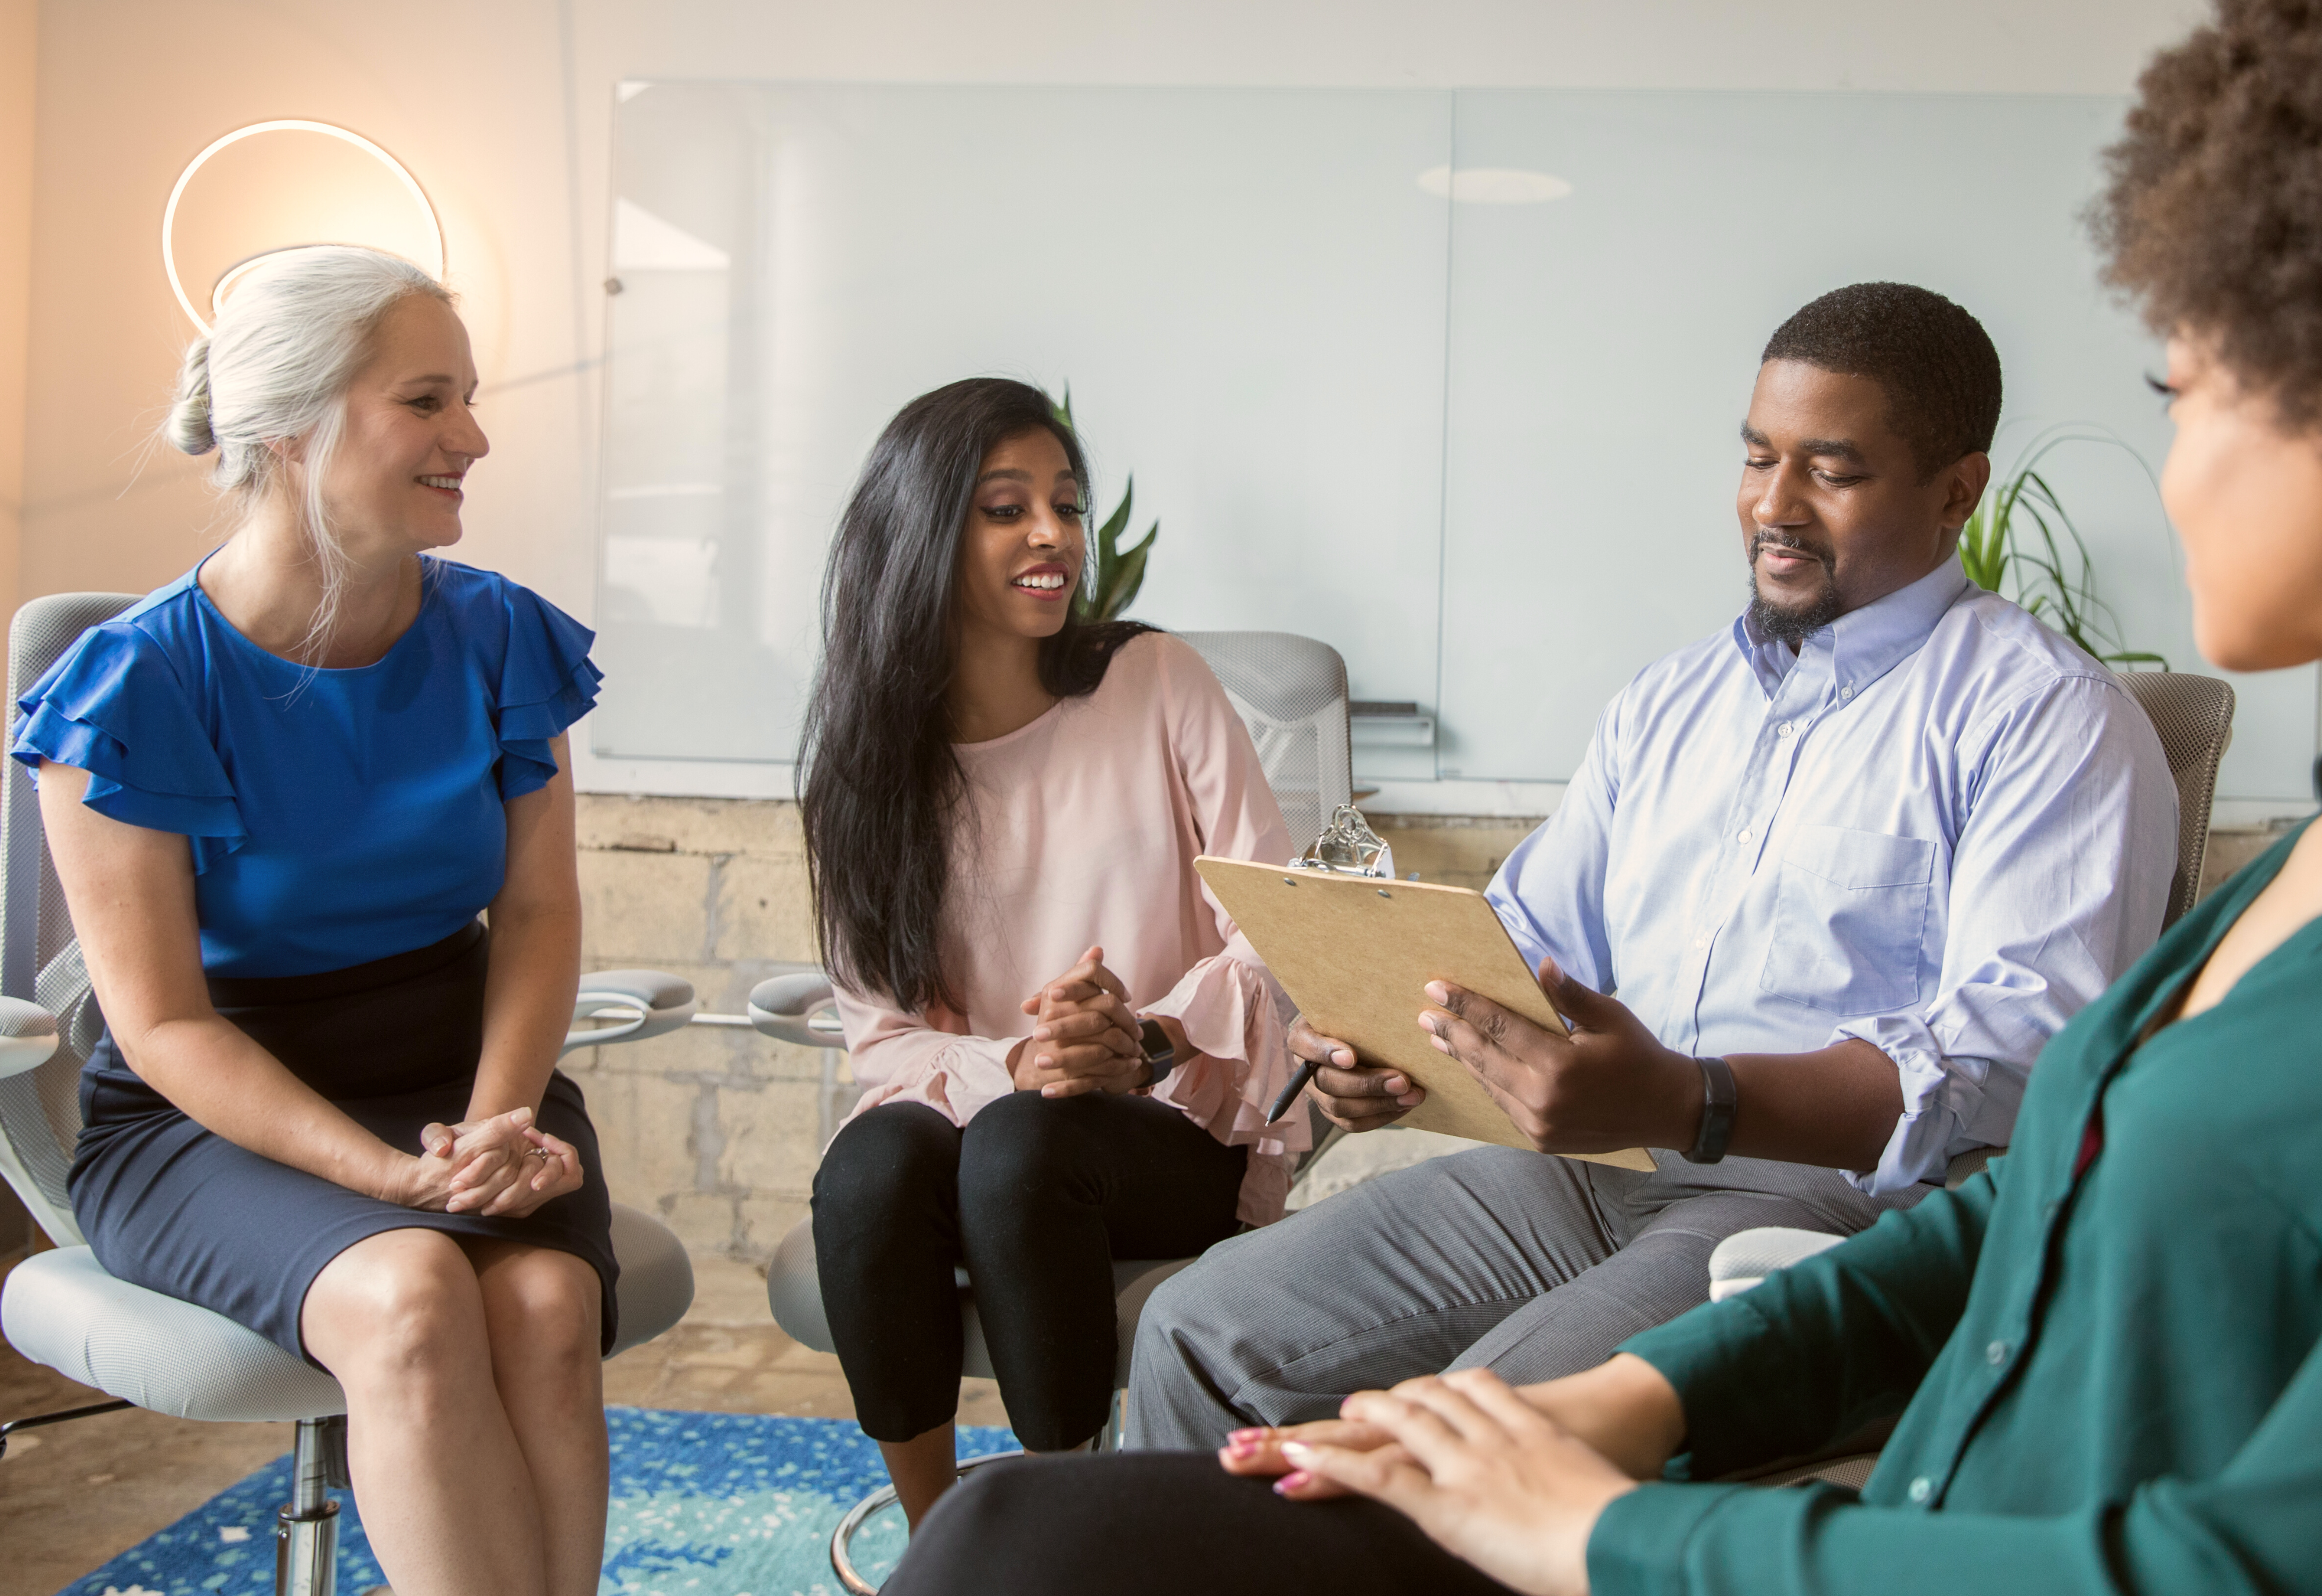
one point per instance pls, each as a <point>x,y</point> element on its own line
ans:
<point>1936,361</point>
<point>2212,218</point>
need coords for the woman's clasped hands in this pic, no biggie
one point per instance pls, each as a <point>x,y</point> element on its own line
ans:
<point>1086,1038</point>
<point>503,1167</point>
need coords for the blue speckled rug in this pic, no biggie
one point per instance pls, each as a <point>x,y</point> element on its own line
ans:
<point>704,1504</point>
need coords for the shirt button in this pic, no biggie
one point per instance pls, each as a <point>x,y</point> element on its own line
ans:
<point>1746,836</point>
<point>1846,692</point>
<point>1922,1487</point>
<point>1996,1354</point>
<point>1787,729</point>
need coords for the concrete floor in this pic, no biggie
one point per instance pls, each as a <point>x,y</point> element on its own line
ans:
<point>76,1495</point>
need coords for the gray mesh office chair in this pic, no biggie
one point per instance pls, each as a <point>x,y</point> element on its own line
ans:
<point>62,1309</point>
<point>2194,715</point>
<point>1291,692</point>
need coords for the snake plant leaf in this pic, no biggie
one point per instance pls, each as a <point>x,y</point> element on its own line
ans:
<point>1108,536</point>
<point>1128,576</point>
<point>1112,578</point>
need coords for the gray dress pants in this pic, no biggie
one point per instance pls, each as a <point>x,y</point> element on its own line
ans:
<point>1528,1264</point>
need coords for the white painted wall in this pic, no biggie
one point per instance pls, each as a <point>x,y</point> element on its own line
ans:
<point>19,54</point>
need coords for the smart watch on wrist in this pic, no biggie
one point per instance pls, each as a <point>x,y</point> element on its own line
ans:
<point>1160,1057</point>
<point>1717,1100</point>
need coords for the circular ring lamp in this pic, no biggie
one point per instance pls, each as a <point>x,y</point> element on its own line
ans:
<point>217,295</point>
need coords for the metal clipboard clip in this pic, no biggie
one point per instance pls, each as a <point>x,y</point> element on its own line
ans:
<point>1348,847</point>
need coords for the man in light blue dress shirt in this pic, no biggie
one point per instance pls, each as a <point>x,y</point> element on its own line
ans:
<point>1848,864</point>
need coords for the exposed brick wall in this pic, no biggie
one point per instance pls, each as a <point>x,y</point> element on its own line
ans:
<point>716,1130</point>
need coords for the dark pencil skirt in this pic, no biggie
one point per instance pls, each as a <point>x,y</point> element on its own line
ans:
<point>169,1205</point>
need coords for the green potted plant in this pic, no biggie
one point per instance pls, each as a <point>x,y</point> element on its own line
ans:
<point>2022,537</point>
<point>1115,573</point>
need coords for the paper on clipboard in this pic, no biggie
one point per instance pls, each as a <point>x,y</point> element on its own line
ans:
<point>1354,954</point>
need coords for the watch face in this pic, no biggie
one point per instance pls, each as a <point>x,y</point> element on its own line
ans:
<point>1155,1040</point>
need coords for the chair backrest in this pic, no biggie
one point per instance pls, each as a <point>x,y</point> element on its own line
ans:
<point>1290,691</point>
<point>2195,717</point>
<point>39,959</point>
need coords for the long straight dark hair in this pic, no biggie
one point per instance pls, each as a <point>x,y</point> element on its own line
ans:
<point>880,786</point>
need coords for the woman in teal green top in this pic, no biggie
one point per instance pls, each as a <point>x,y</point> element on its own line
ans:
<point>2103,1350</point>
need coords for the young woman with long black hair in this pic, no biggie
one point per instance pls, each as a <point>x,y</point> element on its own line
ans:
<point>1068,1047</point>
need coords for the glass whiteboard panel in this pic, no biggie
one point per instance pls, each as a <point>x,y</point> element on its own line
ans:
<point>1244,292</point>
<point>1477,432</point>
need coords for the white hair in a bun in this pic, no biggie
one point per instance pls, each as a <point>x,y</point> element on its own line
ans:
<point>189,427</point>
<point>289,342</point>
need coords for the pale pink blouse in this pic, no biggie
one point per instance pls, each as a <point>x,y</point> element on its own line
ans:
<point>1082,828</point>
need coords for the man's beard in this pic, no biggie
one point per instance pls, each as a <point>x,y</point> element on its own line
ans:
<point>1786,624</point>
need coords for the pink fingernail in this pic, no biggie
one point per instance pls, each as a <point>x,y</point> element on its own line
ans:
<point>1290,1482</point>
<point>1247,1435</point>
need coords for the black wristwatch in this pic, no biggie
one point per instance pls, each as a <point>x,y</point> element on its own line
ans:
<point>1160,1057</point>
<point>1717,1099</point>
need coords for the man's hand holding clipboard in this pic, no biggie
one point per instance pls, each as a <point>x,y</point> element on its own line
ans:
<point>1447,1028</point>
<point>1586,1091</point>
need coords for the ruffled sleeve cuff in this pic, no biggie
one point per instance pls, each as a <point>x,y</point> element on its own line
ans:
<point>1235,1013</point>
<point>546,683</point>
<point>114,707</point>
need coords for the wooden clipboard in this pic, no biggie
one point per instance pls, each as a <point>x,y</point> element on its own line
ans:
<point>1355,953</point>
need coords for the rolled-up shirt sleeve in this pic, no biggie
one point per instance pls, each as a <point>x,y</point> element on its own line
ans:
<point>2059,879</point>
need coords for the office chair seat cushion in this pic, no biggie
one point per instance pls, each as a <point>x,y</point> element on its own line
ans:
<point>62,1309</point>
<point>657,1283</point>
<point>1747,1257</point>
<point>794,1291</point>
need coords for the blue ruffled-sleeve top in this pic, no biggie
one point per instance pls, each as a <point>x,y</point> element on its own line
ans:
<point>335,816</point>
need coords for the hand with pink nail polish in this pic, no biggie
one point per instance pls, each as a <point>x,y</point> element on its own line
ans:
<point>1258,1454</point>
<point>1481,1469</point>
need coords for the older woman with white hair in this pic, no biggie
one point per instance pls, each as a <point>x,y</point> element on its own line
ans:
<point>280,791</point>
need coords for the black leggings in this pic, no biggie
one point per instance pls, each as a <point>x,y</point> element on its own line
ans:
<point>1036,1197</point>
<point>1162,1524</point>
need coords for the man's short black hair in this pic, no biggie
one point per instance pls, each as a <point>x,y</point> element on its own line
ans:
<point>1936,361</point>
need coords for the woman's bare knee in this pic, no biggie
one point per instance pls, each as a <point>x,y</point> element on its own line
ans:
<point>542,1305</point>
<point>403,1304</point>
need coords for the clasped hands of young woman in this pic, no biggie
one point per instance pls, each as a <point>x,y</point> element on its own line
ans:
<point>502,1167</point>
<point>1087,1037</point>
<point>1510,1479</point>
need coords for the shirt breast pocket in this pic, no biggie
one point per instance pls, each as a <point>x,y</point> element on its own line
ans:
<point>1849,915</point>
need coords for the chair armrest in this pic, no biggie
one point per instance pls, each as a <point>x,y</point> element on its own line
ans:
<point>28,1036</point>
<point>798,1008</point>
<point>654,1002</point>
<point>1970,1164</point>
<point>1747,1257</point>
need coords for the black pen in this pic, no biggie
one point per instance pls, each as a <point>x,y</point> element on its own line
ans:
<point>1298,1083</point>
